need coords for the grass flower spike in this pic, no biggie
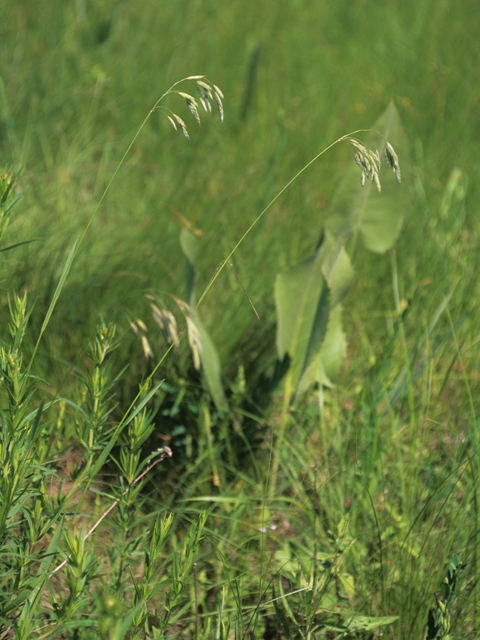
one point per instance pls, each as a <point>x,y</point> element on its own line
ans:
<point>369,162</point>
<point>208,93</point>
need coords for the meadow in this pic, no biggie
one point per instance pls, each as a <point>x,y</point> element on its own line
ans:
<point>239,390</point>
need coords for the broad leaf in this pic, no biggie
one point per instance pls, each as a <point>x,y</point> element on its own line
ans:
<point>337,268</point>
<point>307,298</point>
<point>189,245</point>
<point>325,366</point>
<point>211,366</point>
<point>303,307</point>
<point>376,216</point>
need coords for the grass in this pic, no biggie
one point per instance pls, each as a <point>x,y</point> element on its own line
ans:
<point>377,478</point>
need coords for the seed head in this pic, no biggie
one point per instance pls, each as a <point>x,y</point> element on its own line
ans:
<point>392,160</point>
<point>369,162</point>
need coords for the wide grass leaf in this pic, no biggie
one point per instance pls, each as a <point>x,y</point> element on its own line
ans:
<point>211,366</point>
<point>189,245</point>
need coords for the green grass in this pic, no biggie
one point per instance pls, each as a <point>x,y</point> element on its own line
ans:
<point>377,487</point>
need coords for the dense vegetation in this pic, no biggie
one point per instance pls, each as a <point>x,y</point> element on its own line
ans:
<point>210,433</point>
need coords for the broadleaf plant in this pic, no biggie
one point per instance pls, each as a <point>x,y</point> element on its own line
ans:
<point>308,298</point>
<point>308,295</point>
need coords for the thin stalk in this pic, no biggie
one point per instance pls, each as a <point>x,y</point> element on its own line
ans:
<point>102,198</point>
<point>197,621</point>
<point>271,203</point>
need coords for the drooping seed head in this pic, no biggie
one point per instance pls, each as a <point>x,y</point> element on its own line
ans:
<point>369,162</point>
<point>167,323</point>
<point>147,349</point>
<point>191,104</point>
<point>183,126</point>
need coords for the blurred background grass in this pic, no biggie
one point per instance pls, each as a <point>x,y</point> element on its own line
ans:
<point>77,79</point>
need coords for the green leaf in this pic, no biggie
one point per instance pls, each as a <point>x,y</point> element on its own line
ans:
<point>358,623</point>
<point>209,359</point>
<point>42,573</point>
<point>109,446</point>
<point>324,367</point>
<point>211,367</point>
<point>307,298</point>
<point>189,245</point>
<point>369,623</point>
<point>281,616</point>
<point>303,306</point>
<point>33,433</point>
<point>59,288</point>
<point>142,403</point>
<point>18,244</point>
<point>377,217</point>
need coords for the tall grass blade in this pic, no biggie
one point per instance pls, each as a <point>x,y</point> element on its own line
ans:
<point>18,244</point>
<point>59,288</point>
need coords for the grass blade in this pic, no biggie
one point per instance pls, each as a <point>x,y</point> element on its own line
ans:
<point>59,288</point>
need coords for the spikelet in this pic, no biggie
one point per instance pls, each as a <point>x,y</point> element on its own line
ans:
<point>204,98</point>
<point>140,328</point>
<point>208,93</point>
<point>183,126</point>
<point>369,162</point>
<point>218,95</point>
<point>392,160</point>
<point>207,89</point>
<point>167,323</point>
<point>191,104</point>
<point>195,343</point>
<point>174,124</point>
<point>218,91</point>
<point>194,337</point>
<point>147,350</point>
<point>137,326</point>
